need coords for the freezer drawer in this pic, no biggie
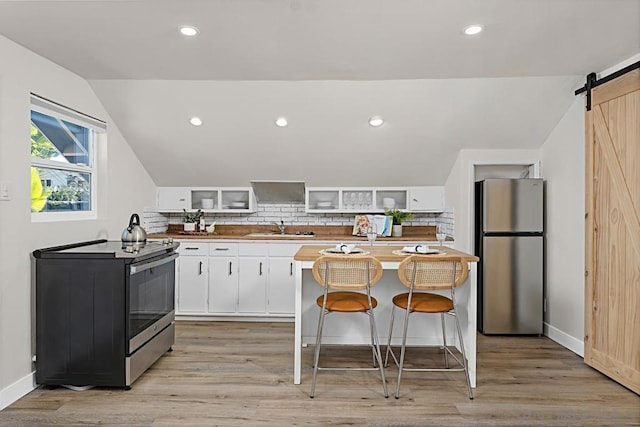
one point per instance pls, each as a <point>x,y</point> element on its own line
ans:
<point>512,285</point>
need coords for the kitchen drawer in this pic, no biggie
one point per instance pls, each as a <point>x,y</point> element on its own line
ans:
<point>253,249</point>
<point>283,249</point>
<point>190,247</point>
<point>223,249</point>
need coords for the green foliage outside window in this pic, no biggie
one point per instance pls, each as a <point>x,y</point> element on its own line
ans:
<point>40,146</point>
<point>39,195</point>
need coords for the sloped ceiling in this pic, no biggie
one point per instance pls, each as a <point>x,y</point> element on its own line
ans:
<point>327,65</point>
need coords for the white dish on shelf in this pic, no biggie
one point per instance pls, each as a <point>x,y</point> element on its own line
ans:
<point>388,203</point>
<point>238,205</point>
<point>325,204</point>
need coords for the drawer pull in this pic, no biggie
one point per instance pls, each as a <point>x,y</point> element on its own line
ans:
<point>188,248</point>
<point>222,249</point>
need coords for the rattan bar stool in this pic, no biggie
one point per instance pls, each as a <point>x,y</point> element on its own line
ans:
<point>345,276</point>
<point>424,273</point>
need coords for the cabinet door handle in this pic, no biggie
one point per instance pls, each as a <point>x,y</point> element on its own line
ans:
<point>261,268</point>
<point>290,269</point>
<point>188,248</point>
<point>415,200</point>
<point>200,268</point>
<point>182,199</point>
<point>230,268</point>
<point>222,249</point>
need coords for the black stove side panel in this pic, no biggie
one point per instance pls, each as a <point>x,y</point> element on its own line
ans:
<point>80,322</point>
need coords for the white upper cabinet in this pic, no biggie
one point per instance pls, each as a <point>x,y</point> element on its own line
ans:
<point>426,199</point>
<point>209,199</point>
<point>173,198</point>
<point>366,199</point>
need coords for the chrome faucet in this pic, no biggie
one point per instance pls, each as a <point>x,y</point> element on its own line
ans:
<point>280,226</point>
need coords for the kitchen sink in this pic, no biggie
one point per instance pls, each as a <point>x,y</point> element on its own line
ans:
<point>290,236</point>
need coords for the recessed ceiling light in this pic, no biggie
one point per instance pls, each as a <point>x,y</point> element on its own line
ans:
<point>473,29</point>
<point>196,121</point>
<point>376,121</point>
<point>281,122</point>
<point>188,30</point>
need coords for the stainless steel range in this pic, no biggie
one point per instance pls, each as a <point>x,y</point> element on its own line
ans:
<point>104,311</point>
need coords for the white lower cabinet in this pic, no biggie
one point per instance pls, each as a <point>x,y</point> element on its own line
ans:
<point>236,279</point>
<point>254,269</point>
<point>193,277</point>
<point>282,281</point>
<point>252,287</point>
<point>224,277</point>
<point>223,284</point>
<point>193,282</point>
<point>282,286</point>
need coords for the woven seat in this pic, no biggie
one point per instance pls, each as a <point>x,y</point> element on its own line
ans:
<point>347,282</point>
<point>426,273</point>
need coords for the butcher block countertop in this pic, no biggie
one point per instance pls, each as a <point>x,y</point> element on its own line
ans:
<point>339,233</point>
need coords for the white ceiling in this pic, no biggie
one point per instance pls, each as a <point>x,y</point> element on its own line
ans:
<point>327,65</point>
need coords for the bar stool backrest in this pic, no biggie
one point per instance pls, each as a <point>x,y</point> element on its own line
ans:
<point>347,272</point>
<point>432,272</point>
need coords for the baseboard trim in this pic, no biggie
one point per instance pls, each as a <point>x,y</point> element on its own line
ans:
<point>15,391</point>
<point>564,339</point>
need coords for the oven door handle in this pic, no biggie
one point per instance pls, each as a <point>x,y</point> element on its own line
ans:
<point>148,265</point>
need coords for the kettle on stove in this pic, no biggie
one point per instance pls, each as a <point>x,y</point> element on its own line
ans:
<point>134,233</point>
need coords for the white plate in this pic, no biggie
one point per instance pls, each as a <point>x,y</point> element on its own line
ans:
<point>429,252</point>
<point>337,251</point>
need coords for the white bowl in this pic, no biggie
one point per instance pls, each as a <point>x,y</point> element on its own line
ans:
<point>207,203</point>
<point>324,204</point>
<point>388,203</point>
<point>238,204</point>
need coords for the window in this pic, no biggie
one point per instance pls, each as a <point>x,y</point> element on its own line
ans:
<point>63,161</point>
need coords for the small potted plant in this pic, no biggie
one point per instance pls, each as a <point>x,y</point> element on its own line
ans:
<point>398,218</point>
<point>191,219</point>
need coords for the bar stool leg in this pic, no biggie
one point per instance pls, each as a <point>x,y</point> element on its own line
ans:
<point>464,358</point>
<point>444,340</point>
<point>402,350</point>
<point>378,354</point>
<point>317,351</point>
<point>386,357</point>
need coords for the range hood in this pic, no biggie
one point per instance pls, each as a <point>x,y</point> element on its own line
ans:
<point>272,191</point>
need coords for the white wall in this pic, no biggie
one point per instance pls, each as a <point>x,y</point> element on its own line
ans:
<point>125,186</point>
<point>563,159</point>
<point>562,167</point>
<point>459,185</point>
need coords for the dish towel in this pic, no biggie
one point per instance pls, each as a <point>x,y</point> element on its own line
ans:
<point>347,249</point>
<point>419,249</point>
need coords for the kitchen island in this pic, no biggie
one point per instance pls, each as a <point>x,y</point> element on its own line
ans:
<point>356,330</point>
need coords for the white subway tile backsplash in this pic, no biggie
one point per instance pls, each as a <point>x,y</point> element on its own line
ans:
<point>291,214</point>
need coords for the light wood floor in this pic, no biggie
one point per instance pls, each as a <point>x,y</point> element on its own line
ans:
<point>236,373</point>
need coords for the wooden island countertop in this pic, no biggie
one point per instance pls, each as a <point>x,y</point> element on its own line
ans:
<point>382,253</point>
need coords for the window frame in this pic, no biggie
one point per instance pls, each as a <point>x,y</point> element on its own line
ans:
<point>97,127</point>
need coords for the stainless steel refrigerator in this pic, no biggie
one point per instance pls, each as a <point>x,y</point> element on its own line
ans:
<point>509,240</point>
